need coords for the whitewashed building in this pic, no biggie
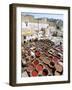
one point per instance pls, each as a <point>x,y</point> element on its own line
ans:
<point>32,27</point>
<point>39,28</point>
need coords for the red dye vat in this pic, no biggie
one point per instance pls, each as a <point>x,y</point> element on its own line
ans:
<point>36,62</point>
<point>55,59</point>
<point>37,53</point>
<point>39,67</point>
<point>34,73</point>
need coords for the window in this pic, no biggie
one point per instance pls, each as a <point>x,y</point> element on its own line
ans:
<point>24,37</point>
<point>26,24</point>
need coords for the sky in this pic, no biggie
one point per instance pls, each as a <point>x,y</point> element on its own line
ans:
<point>44,15</point>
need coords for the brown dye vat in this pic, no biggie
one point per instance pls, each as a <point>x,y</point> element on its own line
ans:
<point>58,67</point>
<point>46,61</point>
<point>45,72</point>
<point>52,63</point>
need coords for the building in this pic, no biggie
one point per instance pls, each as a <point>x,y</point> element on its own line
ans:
<point>40,28</point>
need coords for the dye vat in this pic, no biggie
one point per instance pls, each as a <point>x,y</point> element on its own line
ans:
<point>39,67</point>
<point>34,73</point>
<point>37,53</point>
<point>45,72</point>
<point>36,62</point>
